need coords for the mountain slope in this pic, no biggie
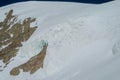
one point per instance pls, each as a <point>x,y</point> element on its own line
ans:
<point>83,40</point>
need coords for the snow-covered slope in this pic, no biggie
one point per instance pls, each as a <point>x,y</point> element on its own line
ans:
<point>83,40</point>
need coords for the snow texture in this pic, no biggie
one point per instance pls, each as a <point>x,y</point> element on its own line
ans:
<point>83,40</point>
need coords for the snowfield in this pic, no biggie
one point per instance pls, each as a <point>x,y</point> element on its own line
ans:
<point>83,40</point>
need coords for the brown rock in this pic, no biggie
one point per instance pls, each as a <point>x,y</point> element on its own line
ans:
<point>34,63</point>
<point>21,32</point>
<point>15,71</point>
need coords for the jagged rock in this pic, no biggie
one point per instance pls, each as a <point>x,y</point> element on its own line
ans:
<point>12,34</point>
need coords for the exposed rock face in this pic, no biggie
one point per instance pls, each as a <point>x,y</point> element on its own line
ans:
<point>33,64</point>
<point>12,34</point>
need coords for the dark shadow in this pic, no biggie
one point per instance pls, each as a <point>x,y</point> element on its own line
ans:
<point>6,2</point>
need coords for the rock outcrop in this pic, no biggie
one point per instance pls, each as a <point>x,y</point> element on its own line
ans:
<point>12,34</point>
<point>33,64</point>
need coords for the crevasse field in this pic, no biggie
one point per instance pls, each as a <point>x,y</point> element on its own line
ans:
<point>84,40</point>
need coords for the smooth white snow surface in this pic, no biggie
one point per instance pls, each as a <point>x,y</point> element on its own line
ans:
<point>83,40</point>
